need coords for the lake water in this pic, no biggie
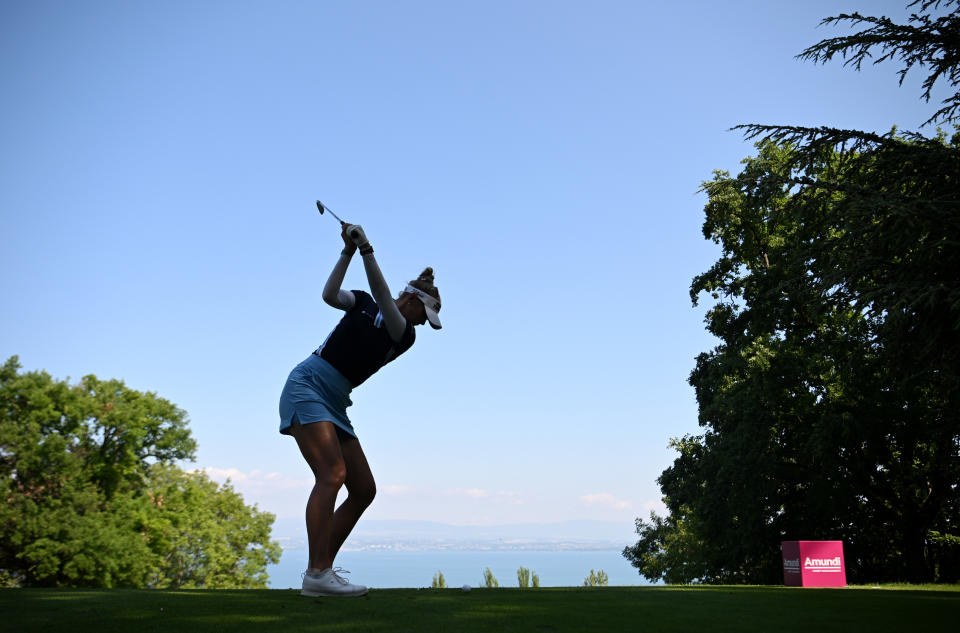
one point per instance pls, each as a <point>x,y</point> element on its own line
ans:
<point>411,569</point>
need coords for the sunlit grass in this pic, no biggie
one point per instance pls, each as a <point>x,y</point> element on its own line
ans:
<point>906,587</point>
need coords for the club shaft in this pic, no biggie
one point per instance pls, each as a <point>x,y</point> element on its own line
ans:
<point>324,207</point>
<point>329,210</point>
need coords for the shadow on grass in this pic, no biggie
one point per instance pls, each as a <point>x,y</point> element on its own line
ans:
<point>687,608</point>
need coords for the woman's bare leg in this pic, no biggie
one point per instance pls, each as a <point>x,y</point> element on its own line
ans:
<point>361,489</point>
<point>320,446</point>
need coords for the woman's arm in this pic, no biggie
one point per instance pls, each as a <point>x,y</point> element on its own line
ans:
<point>395,322</point>
<point>332,294</point>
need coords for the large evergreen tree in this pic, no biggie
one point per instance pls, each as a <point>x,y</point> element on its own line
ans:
<point>91,496</point>
<point>830,405</point>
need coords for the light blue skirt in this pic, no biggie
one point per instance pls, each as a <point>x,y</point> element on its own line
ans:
<point>315,392</point>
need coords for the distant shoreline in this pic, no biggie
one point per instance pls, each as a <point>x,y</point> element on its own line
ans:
<point>411,536</point>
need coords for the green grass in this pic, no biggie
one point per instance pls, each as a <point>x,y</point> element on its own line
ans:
<point>602,609</point>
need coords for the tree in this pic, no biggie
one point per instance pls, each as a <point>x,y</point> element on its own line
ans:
<point>202,534</point>
<point>526,578</point>
<point>489,580</point>
<point>523,577</point>
<point>668,549</point>
<point>927,41</point>
<point>829,405</point>
<point>439,582</point>
<point>91,496</point>
<point>596,579</point>
<point>944,556</point>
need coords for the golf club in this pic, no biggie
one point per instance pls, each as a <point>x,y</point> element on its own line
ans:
<point>321,207</point>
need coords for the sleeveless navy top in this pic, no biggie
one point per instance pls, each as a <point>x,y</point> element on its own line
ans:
<point>360,344</point>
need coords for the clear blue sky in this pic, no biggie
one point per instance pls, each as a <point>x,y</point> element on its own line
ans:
<point>159,163</point>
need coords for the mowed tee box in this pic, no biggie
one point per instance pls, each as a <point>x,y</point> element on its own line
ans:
<point>813,564</point>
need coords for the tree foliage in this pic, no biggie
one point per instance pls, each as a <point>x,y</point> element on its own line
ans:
<point>523,577</point>
<point>438,582</point>
<point>92,498</point>
<point>926,41</point>
<point>527,579</point>
<point>489,580</point>
<point>829,404</point>
<point>596,579</point>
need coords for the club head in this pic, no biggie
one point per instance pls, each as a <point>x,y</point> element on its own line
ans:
<point>336,217</point>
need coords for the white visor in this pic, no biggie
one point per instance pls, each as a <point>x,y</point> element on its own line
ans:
<point>430,304</point>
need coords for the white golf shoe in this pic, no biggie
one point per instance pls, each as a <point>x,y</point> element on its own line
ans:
<point>330,583</point>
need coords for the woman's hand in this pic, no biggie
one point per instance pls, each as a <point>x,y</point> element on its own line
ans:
<point>356,234</point>
<point>348,244</point>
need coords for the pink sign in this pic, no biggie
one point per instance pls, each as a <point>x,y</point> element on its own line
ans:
<point>813,564</point>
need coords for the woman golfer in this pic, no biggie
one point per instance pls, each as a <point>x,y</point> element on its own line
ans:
<point>313,405</point>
